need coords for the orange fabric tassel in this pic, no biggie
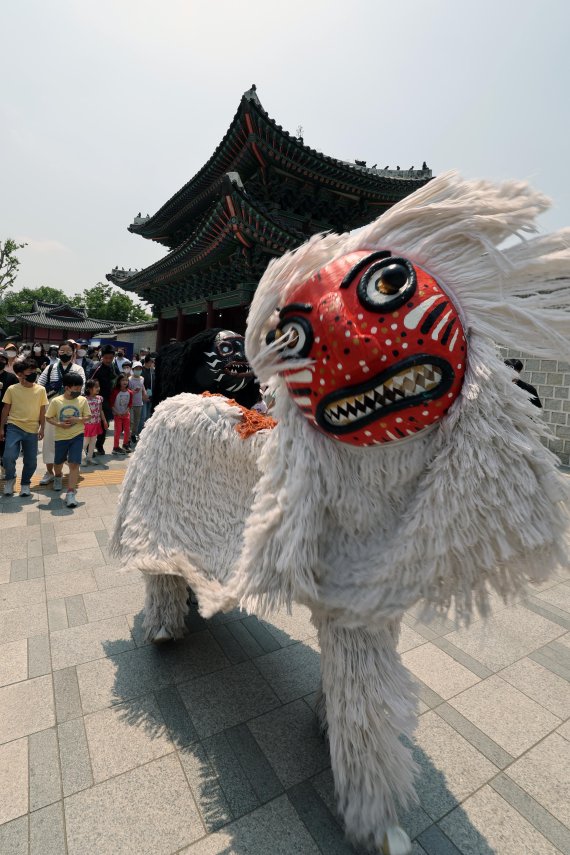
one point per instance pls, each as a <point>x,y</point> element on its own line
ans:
<point>251,420</point>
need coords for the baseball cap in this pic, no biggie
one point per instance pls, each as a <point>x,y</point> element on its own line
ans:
<point>137,364</point>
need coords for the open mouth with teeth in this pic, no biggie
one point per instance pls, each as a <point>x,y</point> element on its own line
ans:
<point>407,384</point>
<point>238,369</point>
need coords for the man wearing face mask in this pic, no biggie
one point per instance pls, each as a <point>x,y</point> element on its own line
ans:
<point>52,378</point>
<point>106,375</point>
<point>22,424</point>
<point>82,359</point>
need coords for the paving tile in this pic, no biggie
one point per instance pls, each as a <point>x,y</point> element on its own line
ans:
<point>18,595</point>
<point>121,676</point>
<point>66,693</point>
<point>76,772</point>
<point>176,717</point>
<point>479,740</point>
<point>13,662</point>
<point>235,784</point>
<point>70,584</point>
<point>322,825</point>
<point>16,535</point>
<point>35,567</point>
<point>450,768</point>
<point>290,739</point>
<point>72,561</point>
<point>39,657</point>
<point>409,638</point>
<point>558,596</point>
<point>435,842</point>
<point>564,730</point>
<point>26,708</point>
<point>126,736</point>
<point>505,637</point>
<point>274,828</point>
<point>541,819</point>
<point>14,837</point>
<point>225,698</point>
<point>47,831</point>
<point>229,643</point>
<point>289,628</point>
<point>254,763</point>
<point>76,541</point>
<point>115,601</point>
<point>57,614</point>
<point>544,772</point>
<point>90,641</point>
<point>149,809</point>
<point>206,788</point>
<point>5,567</point>
<point>108,576</point>
<point>549,611</point>
<point>197,654</point>
<point>540,684</point>
<point>463,658</point>
<point>45,781</point>
<point>19,571</point>
<point>245,639</point>
<point>76,613</point>
<point>292,671</point>
<point>13,779</point>
<point>486,824</point>
<point>438,670</point>
<point>72,525</point>
<point>262,635</point>
<point>511,719</point>
<point>23,623</point>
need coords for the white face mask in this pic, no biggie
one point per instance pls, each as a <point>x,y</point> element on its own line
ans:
<point>37,350</point>
<point>81,353</point>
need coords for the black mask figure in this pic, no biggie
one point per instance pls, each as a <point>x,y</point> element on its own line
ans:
<point>212,361</point>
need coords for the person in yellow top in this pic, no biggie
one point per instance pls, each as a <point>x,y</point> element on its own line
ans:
<point>22,423</point>
<point>68,413</point>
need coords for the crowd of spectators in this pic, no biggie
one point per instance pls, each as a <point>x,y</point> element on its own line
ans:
<point>67,396</point>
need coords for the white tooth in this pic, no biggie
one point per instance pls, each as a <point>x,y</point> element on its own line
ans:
<point>440,326</point>
<point>241,385</point>
<point>303,402</point>
<point>211,353</point>
<point>413,318</point>
<point>305,376</point>
<point>391,435</point>
<point>410,432</point>
<point>453,340</point>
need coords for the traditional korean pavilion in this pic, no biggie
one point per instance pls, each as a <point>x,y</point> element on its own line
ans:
<point>52,323</point>
<point>262,192</point>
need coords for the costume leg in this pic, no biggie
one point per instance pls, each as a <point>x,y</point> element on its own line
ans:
<point>165,607</point>
<point>369,702</point>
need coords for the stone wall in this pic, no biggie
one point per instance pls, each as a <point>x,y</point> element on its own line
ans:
<point>552,382</point>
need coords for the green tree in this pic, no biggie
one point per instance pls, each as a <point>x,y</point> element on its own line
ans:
<point>111,304</point>
<point>9,263</point>
<point>19,302</point>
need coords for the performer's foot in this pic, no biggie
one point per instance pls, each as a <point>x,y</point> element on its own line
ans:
<point>396,842</point>
<point>162,636</point>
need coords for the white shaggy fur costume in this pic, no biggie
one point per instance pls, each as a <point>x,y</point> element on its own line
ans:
<point>472,505</point>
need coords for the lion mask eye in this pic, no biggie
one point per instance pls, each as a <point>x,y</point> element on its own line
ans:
<point>387,284</point>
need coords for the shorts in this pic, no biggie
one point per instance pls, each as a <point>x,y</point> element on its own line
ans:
<point>69,449</point>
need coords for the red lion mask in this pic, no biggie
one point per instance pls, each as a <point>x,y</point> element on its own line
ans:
<point>388,346</point>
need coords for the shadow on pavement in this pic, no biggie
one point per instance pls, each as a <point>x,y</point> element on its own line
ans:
<point>230,775</point>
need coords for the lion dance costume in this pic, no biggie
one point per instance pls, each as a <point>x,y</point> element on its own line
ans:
<point>406,465</point>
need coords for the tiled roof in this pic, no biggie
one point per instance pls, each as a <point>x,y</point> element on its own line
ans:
<point>50,316</point>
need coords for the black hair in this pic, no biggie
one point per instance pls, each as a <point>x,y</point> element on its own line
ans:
<point>72,379</point>
<point>108,349</point>
<point>516,364</point>
<point>21,365</point>
<point>91,385</point>
<point>118,380</point>
<point>67,343</point>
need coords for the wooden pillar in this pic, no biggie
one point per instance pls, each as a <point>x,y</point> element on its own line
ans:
<point>210,322</point>
<point>161,332</point>
<point>180,324</point>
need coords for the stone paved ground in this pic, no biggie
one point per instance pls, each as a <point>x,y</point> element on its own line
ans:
<point>109,745</point>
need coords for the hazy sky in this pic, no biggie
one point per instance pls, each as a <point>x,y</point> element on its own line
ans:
<point>109,107</point>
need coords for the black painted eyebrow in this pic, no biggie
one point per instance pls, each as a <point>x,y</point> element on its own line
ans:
<point>295,307</point>
<point>364,262</point>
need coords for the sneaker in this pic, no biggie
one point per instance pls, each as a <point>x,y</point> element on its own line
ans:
<point>57,483</point>
<point>9,486</point>
<point>119,452</point>
<point>2,473</point>
<point>87,461</point>
<point>96,452</point>
<point>70,499</point>
<point>25,490</point>
<point>127,448</point>
<point>47,478</point>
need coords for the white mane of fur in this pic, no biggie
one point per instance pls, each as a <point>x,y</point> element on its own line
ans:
<point>453,228</point>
